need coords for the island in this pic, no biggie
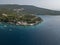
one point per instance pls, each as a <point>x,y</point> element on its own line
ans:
<point>17,17</point>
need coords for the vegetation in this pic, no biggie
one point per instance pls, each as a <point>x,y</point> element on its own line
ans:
<point>29,9</point>
<point>18,17</point>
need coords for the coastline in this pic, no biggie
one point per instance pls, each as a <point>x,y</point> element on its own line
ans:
<point>21,24</point>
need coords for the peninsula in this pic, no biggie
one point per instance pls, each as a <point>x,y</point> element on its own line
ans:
<point>16,16</point>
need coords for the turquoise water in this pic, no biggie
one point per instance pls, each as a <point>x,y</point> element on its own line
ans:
<point>46,33</point>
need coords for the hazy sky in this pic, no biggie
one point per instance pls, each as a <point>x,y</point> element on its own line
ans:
<point>49,4</point>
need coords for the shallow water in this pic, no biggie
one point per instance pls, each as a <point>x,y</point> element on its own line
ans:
<point>46,33</point>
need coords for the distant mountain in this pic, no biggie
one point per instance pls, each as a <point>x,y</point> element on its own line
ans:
<point>30,9</point>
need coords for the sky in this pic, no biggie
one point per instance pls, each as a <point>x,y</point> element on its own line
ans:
<point>48,4</point>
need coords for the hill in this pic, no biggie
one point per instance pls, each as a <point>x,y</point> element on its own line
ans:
<point>30,9</point>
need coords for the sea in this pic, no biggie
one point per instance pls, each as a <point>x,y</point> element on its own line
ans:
<point>45,33</point>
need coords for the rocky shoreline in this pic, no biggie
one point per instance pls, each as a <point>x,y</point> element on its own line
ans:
<point>20,19</point>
